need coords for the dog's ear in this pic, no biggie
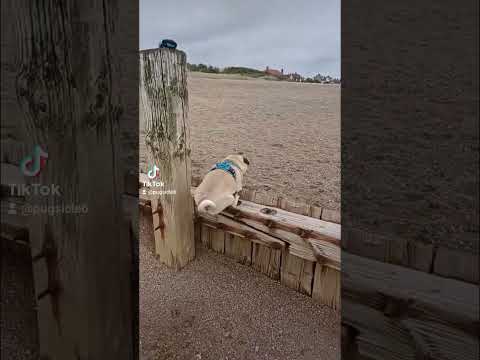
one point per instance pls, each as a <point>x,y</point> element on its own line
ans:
<point>245,160</point>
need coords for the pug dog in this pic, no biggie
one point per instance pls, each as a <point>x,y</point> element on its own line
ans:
<point>220,187</point>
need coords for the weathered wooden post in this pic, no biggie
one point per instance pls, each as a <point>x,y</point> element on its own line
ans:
<point>166,135</point>
<point>69,101</point>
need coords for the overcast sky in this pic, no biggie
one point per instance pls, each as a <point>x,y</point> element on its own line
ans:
<point>297,35</point>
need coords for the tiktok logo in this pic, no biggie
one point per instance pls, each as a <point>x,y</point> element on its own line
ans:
<point>153,172</point>
<point>32,165</point>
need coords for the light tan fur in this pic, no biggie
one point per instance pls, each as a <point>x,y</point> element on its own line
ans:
<point>218,189</point>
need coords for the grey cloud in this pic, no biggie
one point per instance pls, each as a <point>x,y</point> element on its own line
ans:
<point>301,35</point>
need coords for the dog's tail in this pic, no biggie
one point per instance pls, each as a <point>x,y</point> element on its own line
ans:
<point>207,206</point>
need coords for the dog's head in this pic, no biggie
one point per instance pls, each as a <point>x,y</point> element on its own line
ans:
<point>239,161</point>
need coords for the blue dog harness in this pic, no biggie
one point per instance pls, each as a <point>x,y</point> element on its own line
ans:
<point>225,165</point>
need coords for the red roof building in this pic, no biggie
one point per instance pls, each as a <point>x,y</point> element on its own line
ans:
<point>273,72</point>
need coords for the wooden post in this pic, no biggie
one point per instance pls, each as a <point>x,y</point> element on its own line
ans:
<point>66,72</point>
<point>166,135</point>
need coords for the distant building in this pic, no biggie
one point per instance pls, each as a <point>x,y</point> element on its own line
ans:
<point>294,77</point>
<point>274,72</point>
<point>326,79</point>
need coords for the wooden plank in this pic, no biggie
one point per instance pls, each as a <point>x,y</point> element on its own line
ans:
<point>207,234</point>
<point>316,212</point>
<point>287,221</point>
<point>331,216</point>
<point>386,337</point>
<point>454,301</point>
<point>296,208</point>
<point>326,286</point>
<point>264,198</point>
<point>457,264</point>
<point>266,260</point>
<point>297,273</point>
<point>435,340</point>
<point>247,194</point>
<point>412,254</point>
<point>359,242</point>
<point>164,121</point>
<point>238,248</point>
<point>308,238</point>
<point>238,228</point>
<point>218,241</point>
<point>380,337</point>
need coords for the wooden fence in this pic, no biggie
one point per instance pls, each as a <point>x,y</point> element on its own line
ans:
<point>302,252</point>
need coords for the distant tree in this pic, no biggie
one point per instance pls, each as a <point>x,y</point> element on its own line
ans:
<point>203,68</point>
<point>243,71</point>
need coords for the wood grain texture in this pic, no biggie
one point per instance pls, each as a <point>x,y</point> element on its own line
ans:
<point>457,264</point>
<point>308,238</point>
<point>297,273</point>
<point>240,229</point>
<point>359,242</point>
<point>326,286</point>
<point>70,102</point>
<point>400,313</point>
<point>206,237</point>
<point>238,248</point>
<point>381,336</point>
<point>218,241</point>
<point>267,260</point>
<point>331,215</point>
<point>415,255</point>
<point>369,281</point>
<point>164,121</point>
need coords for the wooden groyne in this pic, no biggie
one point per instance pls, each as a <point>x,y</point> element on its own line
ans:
<point>302,252</point>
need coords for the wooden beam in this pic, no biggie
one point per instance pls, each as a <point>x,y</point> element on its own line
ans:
<point>239,229</point>
<point>371,281</point>
<point>278,219</point>
<point>380,336</point>
<point>164,123</point>
<point>308,238</point>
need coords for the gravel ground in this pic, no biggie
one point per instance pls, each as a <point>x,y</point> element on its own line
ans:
<point>218,309</point>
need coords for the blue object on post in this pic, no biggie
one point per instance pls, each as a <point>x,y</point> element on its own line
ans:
<point>169,44</point>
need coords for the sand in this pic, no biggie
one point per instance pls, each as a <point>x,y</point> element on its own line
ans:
<point>289,131</point>
<point>217,309</point>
